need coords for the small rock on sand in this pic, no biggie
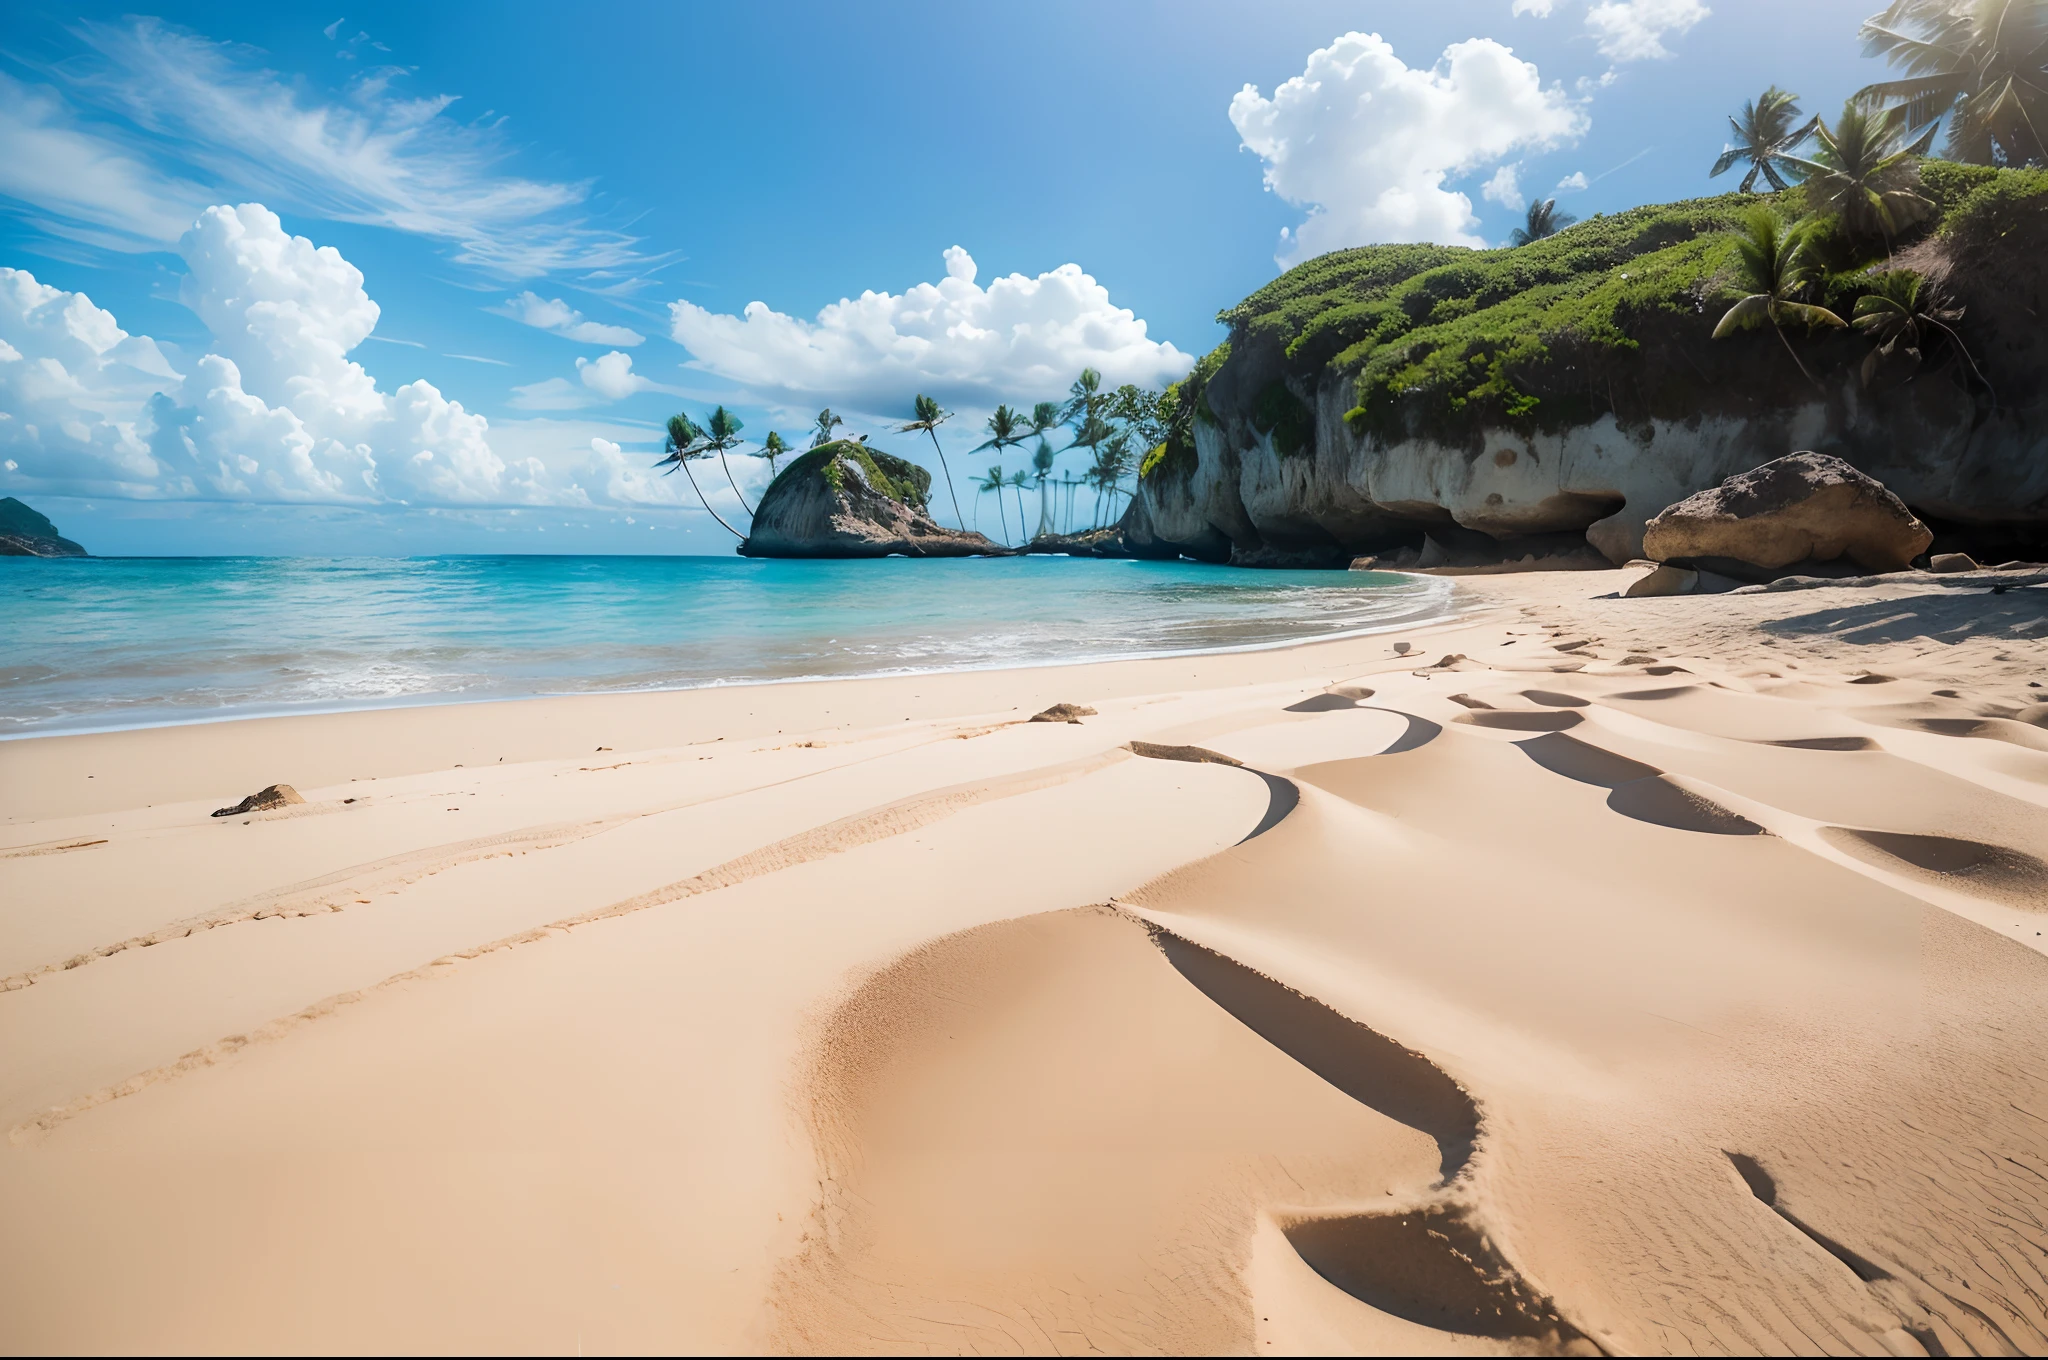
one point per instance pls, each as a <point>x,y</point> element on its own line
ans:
<point>276,796</point>
<point>1665,580</point>
<point>1952,562</point>
<point>1066,713</point>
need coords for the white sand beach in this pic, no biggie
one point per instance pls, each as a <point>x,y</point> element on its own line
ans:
<point>1656,976</point>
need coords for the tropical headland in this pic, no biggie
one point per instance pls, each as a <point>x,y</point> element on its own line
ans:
<point>1644,953</point>
<point>1437,407</point>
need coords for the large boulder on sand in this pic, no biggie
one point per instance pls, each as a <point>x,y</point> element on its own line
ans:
<point>1805,507</point>
<point>845,499</point>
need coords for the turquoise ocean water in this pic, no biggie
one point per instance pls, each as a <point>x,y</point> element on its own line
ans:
<point>122,642</point>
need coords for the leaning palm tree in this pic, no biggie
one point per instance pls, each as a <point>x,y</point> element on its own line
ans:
<point>1767,132</point>
<point>1867,173</point>
<point>686,443</point>
<point>722,432</point>
<point>930,415</point>
<point>1543,220</point>
<point>1898,315</point>
<point>1981,63</point>
<point>821,433</point>
<point>1775,268</point>
<point>994,482</point>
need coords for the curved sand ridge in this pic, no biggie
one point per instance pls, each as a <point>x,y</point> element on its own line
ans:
<point>1579,976</point>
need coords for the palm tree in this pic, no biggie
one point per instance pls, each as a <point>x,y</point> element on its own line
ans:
<point>1543,220</point>
<point>930,415</point>
<point>1041,467</point>
<point>1865,171</point>
<point>1106,474</point>
<point>686,443</point>
<point>1044,416</point>
<point>1018,481</point>
<point>720,434</point>
<point>1767,132</point>
<point>1775,268</point>
<point>994,482</point>
<point>1896,317</point>
<point>821,433</point>
<point>772,448</point>
<point>1086,397</point>
<point>1984,63</point>
<point>1070,481</point>
<point>1005,428</point>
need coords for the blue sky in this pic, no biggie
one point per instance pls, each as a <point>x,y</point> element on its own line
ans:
<point>498,244</point>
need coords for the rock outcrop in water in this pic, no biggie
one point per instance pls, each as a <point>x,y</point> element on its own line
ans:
<point>25,533</point>
<point>845,499</point>
<point>1530,402</point>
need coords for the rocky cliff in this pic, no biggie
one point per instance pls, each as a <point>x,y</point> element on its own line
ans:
<point>25,533</point>
<point>1533,401</point>
<point>848,500</point>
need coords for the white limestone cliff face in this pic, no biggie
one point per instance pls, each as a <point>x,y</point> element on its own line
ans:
<point>1929,441</point>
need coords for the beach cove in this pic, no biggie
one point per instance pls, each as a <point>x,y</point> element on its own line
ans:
<point>1574,972</point>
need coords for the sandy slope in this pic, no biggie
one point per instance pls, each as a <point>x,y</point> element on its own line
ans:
<point>1585,973</point>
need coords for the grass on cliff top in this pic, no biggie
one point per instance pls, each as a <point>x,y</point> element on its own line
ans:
<point>1435,336</point>
<point>898,478</point>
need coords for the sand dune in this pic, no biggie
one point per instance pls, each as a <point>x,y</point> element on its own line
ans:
<point>1581,974</point>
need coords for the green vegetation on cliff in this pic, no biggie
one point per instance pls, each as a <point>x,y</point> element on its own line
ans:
<point>1442,340</point>
<point>896,478</point>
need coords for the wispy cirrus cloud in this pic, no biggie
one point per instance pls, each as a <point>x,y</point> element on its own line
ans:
<point>370,154</point>
<point>75,181</point>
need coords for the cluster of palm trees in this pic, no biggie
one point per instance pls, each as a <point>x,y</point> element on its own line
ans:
<point>1981,66</point>
<point>1103,422</point>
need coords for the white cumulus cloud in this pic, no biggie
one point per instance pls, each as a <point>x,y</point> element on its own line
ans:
<point>73,385</point>
<point>553,314</point>
<point>276,411</point>
<point>1573,182</point>
<point>1505,188</point>
<point>609,377</point>
<point>1018,339</point>
<point>1366,143</point>
<point>1539,8</point>
<point>1634,30</point>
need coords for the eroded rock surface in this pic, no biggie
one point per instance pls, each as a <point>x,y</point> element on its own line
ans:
<point>1805,507</point>
<point>848,500</point>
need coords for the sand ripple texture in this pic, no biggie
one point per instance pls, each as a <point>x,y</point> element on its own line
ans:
<point>1525,985</point>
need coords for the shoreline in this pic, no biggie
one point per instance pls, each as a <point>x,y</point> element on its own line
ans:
<point>570,719</point>
<point>807,1017</point>
<point>213,667</point>
<point>429,701</point>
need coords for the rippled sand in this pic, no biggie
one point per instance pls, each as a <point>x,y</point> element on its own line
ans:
<point>1648,976</point>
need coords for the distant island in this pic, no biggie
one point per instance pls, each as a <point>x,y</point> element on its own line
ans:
<point>25,533</point>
